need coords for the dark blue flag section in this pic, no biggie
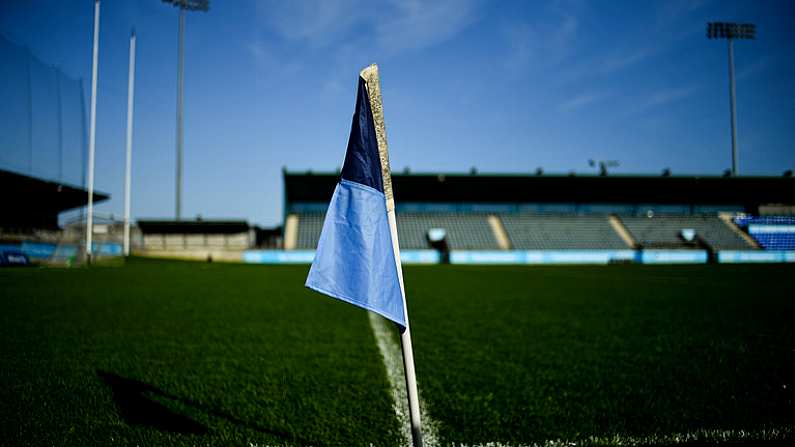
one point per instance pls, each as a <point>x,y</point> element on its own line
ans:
<point>362,164</point>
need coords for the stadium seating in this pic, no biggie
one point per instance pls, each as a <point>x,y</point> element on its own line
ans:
<point>465,231</point>
<point>533,231</point>
<point>664,231</point>
<point>309,226</point>
<point>770,232</point>
<point>551,232</point>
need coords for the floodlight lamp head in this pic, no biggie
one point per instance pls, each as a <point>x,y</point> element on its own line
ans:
<point>190,5</point>
<point>727,30</point>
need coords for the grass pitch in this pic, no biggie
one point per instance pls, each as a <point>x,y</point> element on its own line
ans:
<point>178,353</point>
<point>527,354</point>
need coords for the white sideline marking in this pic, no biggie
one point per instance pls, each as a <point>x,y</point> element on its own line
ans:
<point>772,434</point>
<point>393,361</point>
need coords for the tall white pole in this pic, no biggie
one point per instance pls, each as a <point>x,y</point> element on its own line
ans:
<point>735,161</point>
<point>92,135</point>
<point>180,106</point>
<point>128,166</point>
<point>60,125</point>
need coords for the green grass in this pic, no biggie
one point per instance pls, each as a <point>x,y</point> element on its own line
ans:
<point>173,353</point>
<point>526,354</point>
<point>179,353</point>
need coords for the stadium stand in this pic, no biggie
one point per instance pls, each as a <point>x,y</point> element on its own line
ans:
<point>32,204</point>
<point>201,235</point>
<point>529,231</point>
<point>542,232</point>
<point>465,231</point>
<point>514,212</point>
<point>664,231</point>
<point>309,226</point>
<point>770,232</point>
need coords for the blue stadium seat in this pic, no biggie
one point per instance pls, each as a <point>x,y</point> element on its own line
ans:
<point>770,232</point>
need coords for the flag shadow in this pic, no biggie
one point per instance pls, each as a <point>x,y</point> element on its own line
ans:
<point>136,407</point>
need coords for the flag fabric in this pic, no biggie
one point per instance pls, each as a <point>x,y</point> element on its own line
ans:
<point>357,258</point>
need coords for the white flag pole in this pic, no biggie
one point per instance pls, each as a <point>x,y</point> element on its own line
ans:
<point>405,344</point>
<point>92,135</point>
<point>370,75</point>
<point>128,167</point>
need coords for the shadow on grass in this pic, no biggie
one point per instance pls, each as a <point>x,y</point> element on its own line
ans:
<point>137,408</point>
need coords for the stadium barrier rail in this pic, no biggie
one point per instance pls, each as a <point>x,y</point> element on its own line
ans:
<point>306,256</point>
<point>755,256</point>
<point>508,257</point>
<point>278,256</point>
<point>673,257</point>
<point>600,257</point>
<point>45,251</point>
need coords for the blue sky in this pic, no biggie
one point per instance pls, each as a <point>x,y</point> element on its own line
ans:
<point>501,86</point>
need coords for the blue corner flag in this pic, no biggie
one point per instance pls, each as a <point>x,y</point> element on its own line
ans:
<point>357,259</point>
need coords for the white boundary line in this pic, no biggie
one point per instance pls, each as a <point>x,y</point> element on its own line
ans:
<point>390,351</point>
<point>710,436</point>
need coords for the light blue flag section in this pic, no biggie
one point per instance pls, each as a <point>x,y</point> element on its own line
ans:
<point>355,261</point>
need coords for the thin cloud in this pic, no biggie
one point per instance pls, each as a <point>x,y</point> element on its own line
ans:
<point>416,24</point>
<point>621,61</point>
<point>671,12</point>
<point>265,59</point>
<point>581,101</point>
<point>758,66</point>
<point>666,96</point>
<point>393,27</point>
<point>353,33</point>
<point>541,43</point>
<point>670,24</point>
<point>317,23</point>
<point>602,66</point>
